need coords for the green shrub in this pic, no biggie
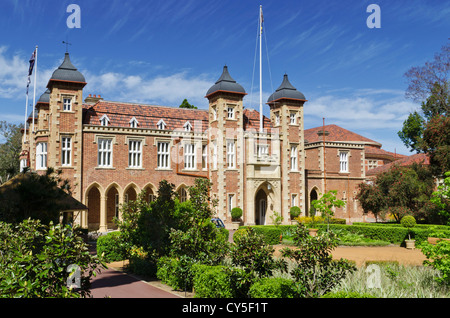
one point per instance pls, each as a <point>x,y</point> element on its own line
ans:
<point>295,211</point>
<point>36,258</point>
<point>111,247</point>
<point>220,281</point>
<point>175,272</point>
<point>211,282</point>
<point>344,294</point>
<point>236,213</point>
<point>273,287</point>
<point>438,256</point>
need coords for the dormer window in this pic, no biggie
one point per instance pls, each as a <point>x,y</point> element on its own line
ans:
<point>104,121</point>
<point>187,126</point>
<point>134,123</point>
<point>161,124</point>
<point>67,104</point>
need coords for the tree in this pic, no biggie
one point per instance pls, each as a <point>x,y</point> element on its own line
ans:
<point>185,104</point>
<point>9,150</point>
<point>400,191</point>
<point>441,197</point>
<point>327,203</point>
<point>429,84</point>
<point>35,196</point>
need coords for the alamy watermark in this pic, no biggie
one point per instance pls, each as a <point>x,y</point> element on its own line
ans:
<point>74,19</point>
<point>374,19</point>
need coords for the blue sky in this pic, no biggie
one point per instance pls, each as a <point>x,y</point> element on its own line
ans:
<point>160,52</point>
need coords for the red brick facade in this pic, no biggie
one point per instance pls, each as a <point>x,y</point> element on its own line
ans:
<point>117,150</point>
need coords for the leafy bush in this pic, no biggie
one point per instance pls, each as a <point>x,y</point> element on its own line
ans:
<point>254,255</point>
<point>273,287</point>
<point>236,213</point>
<point>111,247</point>
<point>295,211</point>
<point>315,270</point>
<point>175,272</point>
<point>211,282</point>
<point>438,257</point>
<point>36,261</point>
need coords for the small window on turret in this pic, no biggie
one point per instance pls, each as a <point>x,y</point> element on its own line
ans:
<point>230,112</point>
<point>67,104</point>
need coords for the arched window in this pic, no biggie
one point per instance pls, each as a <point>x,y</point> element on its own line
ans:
<point>182,194</point>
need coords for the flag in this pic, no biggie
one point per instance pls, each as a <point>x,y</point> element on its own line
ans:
<point>30,69</point>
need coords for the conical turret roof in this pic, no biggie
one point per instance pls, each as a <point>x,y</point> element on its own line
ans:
<point>226,84</point>
<point>286,91</point>
<point>67,72</point>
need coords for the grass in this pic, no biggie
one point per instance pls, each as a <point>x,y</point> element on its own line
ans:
<point>395,281</point>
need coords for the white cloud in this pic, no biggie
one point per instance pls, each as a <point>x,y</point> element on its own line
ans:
<point>164,90</point>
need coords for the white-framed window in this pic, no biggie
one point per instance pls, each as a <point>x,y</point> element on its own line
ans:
<point>187,126</point>
<point>135,153</point>
<point>66,151</point>
<point>214,155</point>
<point>277,118</point>
<point>104,121</point>
<point>104,153</point>
<point>293,118</point>
<point>23,164</point>
<point>214,113</point>
<point>293,200</point>
<point>230,202</point>
<point>161,125</point>
<point>189,156</point>
<point>230,112</point>
<point>134,122</point>
<point>204,157</point>
<point>231,154</point>
<point>163,154</point>
<point>343,161</point>
<point>262,150</point>
<point>41,156</point>
<point>294,161</point>
<point>67,104</point>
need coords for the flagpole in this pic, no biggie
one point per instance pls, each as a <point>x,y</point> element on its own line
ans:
<point>35,76</point>
<point>25,122</point>
<point>260,71</point>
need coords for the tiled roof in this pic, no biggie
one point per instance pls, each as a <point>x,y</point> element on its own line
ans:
<point>252,119</point>
<point>148,116</point>
<point>404,162</point>
<point>336,133</point>
<point>378,152</point>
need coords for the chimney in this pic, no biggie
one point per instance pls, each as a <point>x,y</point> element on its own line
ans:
<point>92,99</point>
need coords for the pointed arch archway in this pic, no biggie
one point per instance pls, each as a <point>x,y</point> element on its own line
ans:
<point>93,195</point>
<point>313,195</point>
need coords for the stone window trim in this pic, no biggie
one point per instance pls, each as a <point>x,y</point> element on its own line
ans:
<point>66,150</point>
<point>67,102</point>
<point>344,160</point>
<point>230,111</point>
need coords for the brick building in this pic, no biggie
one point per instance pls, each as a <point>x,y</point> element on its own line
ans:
<point>112,151</point>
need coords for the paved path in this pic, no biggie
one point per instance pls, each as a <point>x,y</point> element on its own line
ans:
<point>111,283</point>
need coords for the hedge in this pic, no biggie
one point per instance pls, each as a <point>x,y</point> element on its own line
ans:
<point>273,287</point>
<point>392,234</point>
<point>111,247</point>
<point>219,281</point>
